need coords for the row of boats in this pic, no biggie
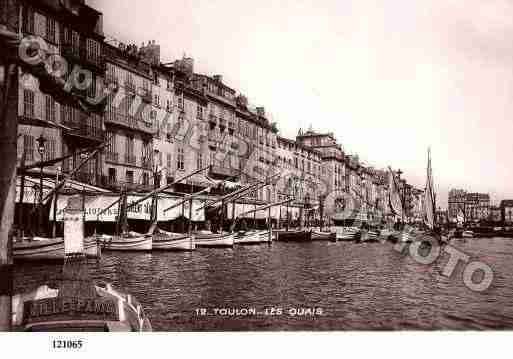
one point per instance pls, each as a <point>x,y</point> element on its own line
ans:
<point>160,240</point>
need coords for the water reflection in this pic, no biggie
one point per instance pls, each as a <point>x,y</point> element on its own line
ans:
<point>358,286</point>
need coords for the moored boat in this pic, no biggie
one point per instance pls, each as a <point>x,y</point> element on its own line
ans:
<point>322,236</point>
<point>130,241</point>
<point>251,237</point>
<point>467,234</point>
<point>294,236</point>
<point>38,248</point>
<point>209,239</point>
<point>402,237</point>
<point>385,233</point>
<point>169,241</point>
<point>346,233</point>
<point>107,309</point>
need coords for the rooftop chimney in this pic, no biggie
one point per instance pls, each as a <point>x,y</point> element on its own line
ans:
<point>218,78</point>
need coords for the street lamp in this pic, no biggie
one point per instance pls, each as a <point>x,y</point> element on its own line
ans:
<point>41,150</point>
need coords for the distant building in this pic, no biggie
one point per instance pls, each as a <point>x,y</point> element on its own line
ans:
<point>457,198</point>
<point>495,214</point>
<point>506,207</point>
<point>477,206</point>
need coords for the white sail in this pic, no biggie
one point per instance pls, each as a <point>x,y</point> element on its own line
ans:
<point>429,196</point>
<point>394,199</point>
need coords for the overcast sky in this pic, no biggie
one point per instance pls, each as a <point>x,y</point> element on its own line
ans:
<point>389,78</point>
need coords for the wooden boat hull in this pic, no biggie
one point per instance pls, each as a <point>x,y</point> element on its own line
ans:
<point>143,242</point>
<point>294,236</point>
<point>254,237</point>
<point>214,239</point>
<point>367,236</point>
<point>45,309</point>
<point>50,249</point>
<point>165,242</point>
<point>402,237</point>
<point>467,234</point>
<point>323,236</point>
<point>346,234</point>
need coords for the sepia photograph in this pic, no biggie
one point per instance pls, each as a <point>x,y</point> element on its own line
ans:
<point>272,166</point>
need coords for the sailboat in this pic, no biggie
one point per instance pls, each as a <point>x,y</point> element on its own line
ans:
<point>170,241</point>
<point>395,203</point>
<point>125,240</point>
<point>429,204</point>
<point>77,302</point>
<point>38,248</point>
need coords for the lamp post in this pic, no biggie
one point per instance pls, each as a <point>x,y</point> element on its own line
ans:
<point>41,150</point>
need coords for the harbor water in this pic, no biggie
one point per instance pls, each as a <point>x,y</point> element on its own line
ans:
<point>304,286</point>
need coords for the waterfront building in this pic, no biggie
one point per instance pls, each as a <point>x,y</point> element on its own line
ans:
<point>496,214</point>
<point>506,207</point>
<point>303,170</point>
<point>333,169</point>
<point>477,206</point>
<point>129,119</point>
<point>75,31</point>
<point>456,202</point>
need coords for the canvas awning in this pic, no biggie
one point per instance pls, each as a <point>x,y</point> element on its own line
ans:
<point>31,188</point>
<point>93,205</point>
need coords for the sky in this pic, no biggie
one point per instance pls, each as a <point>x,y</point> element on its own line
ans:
<point>390,78</point>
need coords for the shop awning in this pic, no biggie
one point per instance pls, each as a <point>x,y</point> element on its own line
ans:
<point>93,205</point>
<point>31,188</point>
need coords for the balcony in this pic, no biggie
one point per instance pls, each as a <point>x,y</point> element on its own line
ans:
<point>84,131</point>
<point>71,52</point>
<point>131,122</point>
<point>80,55</point>
<point>130,160</point>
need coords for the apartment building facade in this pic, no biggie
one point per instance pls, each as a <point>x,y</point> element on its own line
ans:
<point>74,32</point>
<point>130,120</point>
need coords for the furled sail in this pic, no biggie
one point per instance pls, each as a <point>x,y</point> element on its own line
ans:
<point>394,198</point>
<point>429,196</point>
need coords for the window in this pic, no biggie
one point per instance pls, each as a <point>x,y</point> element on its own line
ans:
<point>145,179</point>
<point>28,20</point>
<point>180,103</point>
<point>112,175</point>
<point>156,100</point>
<point>91,90</point>
<point>28,146</point>
<point>169,135</point>
<point>50,30</point>
<point>212,158</point>
<point>50,109</point>
<point>49,149</point>
<point>169,106</point>
<point>199,161</point>
<point>129,176</point>
<point>199,114</point>
<point>129,150</point>
<point>180,159</point>
<point>169,162</point>
<point>93,51</point>
<point>28,103</point>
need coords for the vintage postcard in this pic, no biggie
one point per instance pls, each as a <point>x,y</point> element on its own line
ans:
<point>214,166</point>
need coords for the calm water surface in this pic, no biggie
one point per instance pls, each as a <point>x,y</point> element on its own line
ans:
<point>356,286</point>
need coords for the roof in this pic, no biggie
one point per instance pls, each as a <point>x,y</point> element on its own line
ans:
<point>506,203</point>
